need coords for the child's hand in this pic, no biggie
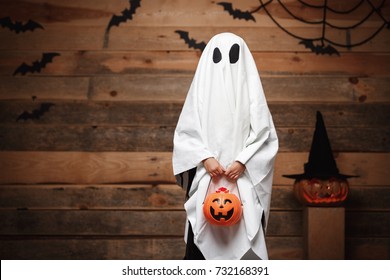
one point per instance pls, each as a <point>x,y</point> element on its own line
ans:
<point>235,170</point>
<point>213,167</point>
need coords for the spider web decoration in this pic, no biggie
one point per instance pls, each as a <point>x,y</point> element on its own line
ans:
<point>320,44</point>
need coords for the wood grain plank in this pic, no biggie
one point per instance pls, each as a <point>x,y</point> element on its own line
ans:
<point>147,114</point>
<point>87,138</point>
<point>147,197</point>
<point>90,168</point>
<point>367,224</point>
<point>160,88</point>
<point>125,167</point>
<point>82,63</point>
<point>121,223</point>
<point>368,198</point>
<point>300,139</point>
<point>367,248</point>
<point>92,248</point>
<point>284,248</point>
<point>97,138</point>
<point>259,39</point>
<point>173,12</point>
<point>279,248</point>
<point>92,197</point>
<point>135,197</point>
<point>174,88</point>
<point>102,113</point>
<point>300,64</point>
<point>100,223</point>
<point>61,12</point>
<point>164,223</point>
<point>276,88</point>
<point>89,33</point>
<point>31,88</point>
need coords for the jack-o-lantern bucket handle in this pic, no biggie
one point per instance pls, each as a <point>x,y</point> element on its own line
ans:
<point>220,190</point>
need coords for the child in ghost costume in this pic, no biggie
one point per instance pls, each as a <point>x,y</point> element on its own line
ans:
<point>225,129</point>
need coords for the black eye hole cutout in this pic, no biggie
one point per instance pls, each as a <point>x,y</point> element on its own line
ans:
<point>227,201</point>
<point>217,200</point>
<point>217,56</point>
<point>234,53</point>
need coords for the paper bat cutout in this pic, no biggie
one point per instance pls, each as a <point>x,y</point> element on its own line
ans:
<point>127,14</point>
<point>37,113</point>
<point>191,42</point>
<point>319,49</point>
<point>18,26</point>
<point>37,65</point>
<point>236,13</point>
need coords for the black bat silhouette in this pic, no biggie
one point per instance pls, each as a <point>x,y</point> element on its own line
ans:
<point>18,26</point>
<point>191,42</point>
<point>319,49</point>
<point>37,65</point>
<point>127,14</point>
<point>236,13</point>
<point>36,113</point>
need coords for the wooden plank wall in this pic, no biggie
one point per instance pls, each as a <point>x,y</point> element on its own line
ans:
<point>86,173</point>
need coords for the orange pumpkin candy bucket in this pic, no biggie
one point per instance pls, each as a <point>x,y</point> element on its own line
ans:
<point>222,208</point>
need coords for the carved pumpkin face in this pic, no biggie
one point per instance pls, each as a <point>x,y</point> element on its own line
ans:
<point>317,192</point>
<point>222,208</point>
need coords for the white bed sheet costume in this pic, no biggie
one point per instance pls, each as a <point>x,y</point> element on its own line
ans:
<point>226,116</point>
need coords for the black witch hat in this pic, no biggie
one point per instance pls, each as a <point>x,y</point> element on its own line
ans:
<point>321,164</point>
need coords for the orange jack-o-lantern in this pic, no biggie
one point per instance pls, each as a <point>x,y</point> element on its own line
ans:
<point>222,208</point>
<point>321,184</point>
<point>316,192</point>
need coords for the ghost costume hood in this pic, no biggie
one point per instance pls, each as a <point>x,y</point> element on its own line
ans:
<point>226,116</point>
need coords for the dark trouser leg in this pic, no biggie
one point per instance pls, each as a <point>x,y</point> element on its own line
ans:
<point>192,251</point>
